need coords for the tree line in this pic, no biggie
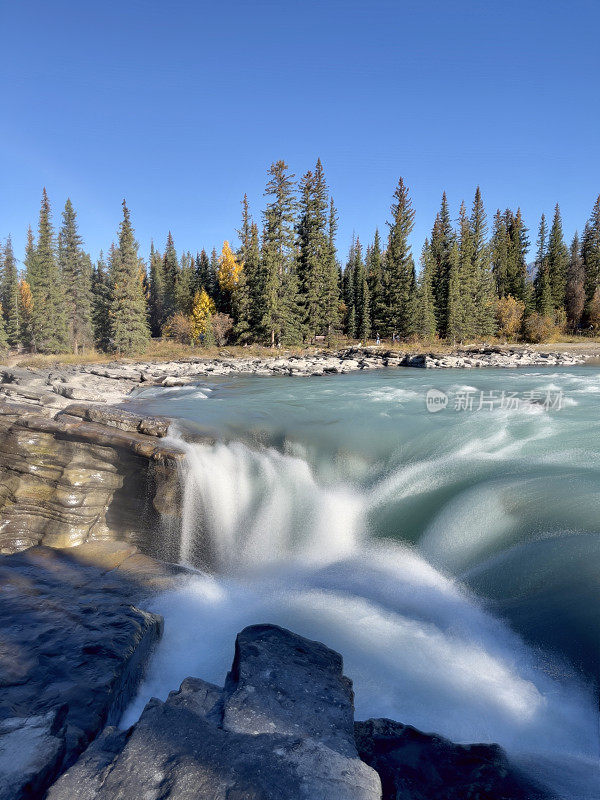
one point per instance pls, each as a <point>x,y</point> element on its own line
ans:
<point>285,285</point>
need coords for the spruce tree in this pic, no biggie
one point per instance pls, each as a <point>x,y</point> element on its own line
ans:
<point>485,292</point>
<point>425,306</point>
<point>184,286</point>
<point>331,286</point>
<point>591,252</point>
<point>202,279</point>
<point>349,292</point>
<point>157,292</point>
<point>101,303</point>
<point>279,283</point>
<point>244,301</point>
<point>465,317</point>
<point>128,314</point>
<point>399,266</point>
<point>441,244</point>
<point>518,246</point>
<point>558,261</point>
<point>313,251</point>
<point>499,247</point>
<point>170,276</point>
<point>376,286</point>
<point>575,288</point>
<point>10,295</point>
<point>75,269</point>
<point>455,325</point>
<point>49,326</point>
<point>362,305</point>
<point>542,283</point>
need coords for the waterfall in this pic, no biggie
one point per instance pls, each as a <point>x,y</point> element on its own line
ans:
<point>244,509</point>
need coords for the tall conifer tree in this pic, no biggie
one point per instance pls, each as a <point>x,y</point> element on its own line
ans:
<point>279,284</point>
<point>558,261</point>
<point>575,288</point>
<point>48,323</point>
<point>101,302</point>
<point>399,265</point>
<point>129,324</point>
<point>76,275</point>
<point>10,294</point>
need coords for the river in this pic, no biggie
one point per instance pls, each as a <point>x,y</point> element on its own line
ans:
<point>440,529</point>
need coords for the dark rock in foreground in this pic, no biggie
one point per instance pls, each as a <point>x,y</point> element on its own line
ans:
<point>420,766</point>
<point>73,648</point>
<point>281,729</point>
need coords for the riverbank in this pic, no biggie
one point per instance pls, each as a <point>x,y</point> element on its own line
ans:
<point>53,385</point>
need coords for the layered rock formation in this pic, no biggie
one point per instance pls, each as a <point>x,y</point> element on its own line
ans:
<point>85,473</point>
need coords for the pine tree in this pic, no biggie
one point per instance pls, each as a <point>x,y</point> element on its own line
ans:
<point>464,314</point>
<point>485,293</point>
<point>425,306</point>
<point>157,292</point>
<point>171,276</point>
<point>279,284</point>
<point>184,286</point>
<point>499,246</point>
<point>542,284</point>
<point>399,266</point>
<point>558,261</point>
<point>441,244</point>
<point>49,320</point>
<point>75,269</point>
<point>203,278</point>
<point>101,303</point>
<point>10,295</point>
<point>591,252</point>
<point>252,268</point>
<point>331,278</point>
<point>349,291</point>
<point>362,306</point>
<point>248,254</point>
<point>313,251</point>
<point>517,256</point>
<point>455,326</point>
<point>575,288</point>
<point>128,313</point>
<point>376,286</point>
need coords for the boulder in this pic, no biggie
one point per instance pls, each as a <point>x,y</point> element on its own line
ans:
<point>281,729</point>
<point>421,766</point>
<point>74,647</point>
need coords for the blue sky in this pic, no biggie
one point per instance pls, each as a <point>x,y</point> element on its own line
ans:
<point>181,106</point>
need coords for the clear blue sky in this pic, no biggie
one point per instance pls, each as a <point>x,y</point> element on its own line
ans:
<point>181,106</point>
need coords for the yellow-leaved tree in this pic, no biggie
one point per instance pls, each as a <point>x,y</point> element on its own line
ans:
<point>229,269</point>
<point>202,311</point>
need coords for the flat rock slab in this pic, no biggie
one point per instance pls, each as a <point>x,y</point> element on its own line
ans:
<point>73,647</point>
<point>281,729</point>
<point>421,766</point>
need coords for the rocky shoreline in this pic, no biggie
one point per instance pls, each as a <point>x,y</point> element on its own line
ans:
<point>55,388</point>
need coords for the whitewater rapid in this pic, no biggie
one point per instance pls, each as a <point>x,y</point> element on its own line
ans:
<point>452,558</point>
<point>278,546</point>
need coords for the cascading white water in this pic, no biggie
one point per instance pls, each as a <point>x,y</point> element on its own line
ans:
<point>283,548</point>
<point>245,509</point>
